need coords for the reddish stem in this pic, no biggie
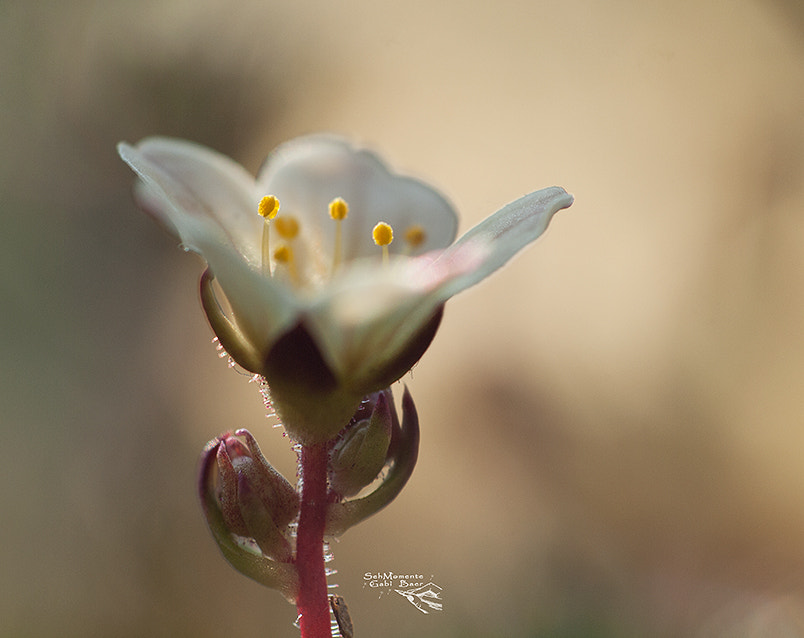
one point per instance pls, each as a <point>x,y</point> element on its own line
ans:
<point>313,603</point>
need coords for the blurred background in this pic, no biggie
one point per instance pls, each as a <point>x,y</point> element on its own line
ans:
<point>612,427</point>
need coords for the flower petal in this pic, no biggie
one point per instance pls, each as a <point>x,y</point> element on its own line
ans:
<point>263,308</point>
<point>309,172</point>
<point>368,315</point>
<point>495,240</point>
<point>194,191</point>
<point>191,180</point>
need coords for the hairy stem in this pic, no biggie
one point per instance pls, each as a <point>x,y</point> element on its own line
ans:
<point>312,603</point>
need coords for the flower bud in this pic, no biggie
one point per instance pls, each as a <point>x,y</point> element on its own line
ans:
<point>401,455</point>
<point>359,455</point>
<point>257,502</point>
<point>249,506</point>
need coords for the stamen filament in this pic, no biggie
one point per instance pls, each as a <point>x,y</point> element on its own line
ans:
<point>284,255</point>
<point>336,253</point>
<point>338,210</point>
<point>266,247</point>
<point>268,208</point>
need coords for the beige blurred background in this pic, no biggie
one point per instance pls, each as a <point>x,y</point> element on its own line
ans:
<point>613,426</point>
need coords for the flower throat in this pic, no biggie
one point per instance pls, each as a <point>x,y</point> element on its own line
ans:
<point>287,227</point>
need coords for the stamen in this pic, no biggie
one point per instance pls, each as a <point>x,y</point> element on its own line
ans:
<point>284,256</point>
<point>287,226</point>
<point>338,210</point>
<point>415,236</point>
<point>383,235</point>
<point>268,208</point>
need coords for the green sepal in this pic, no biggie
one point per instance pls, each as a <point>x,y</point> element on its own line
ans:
<point>402,455</point>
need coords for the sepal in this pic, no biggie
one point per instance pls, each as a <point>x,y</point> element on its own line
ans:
<point>360,453</point>
<point>402,453</point>
<point>229,335</point>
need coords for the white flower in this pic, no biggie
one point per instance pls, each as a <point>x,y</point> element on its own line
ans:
<point>317,306</point>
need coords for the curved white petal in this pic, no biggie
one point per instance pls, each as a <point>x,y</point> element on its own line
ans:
<point>370,314</point>
<point>194,191</point>
<point>264,309</point>
<point>309,172</point>
<point>188,180</point>
<point>495,240</point>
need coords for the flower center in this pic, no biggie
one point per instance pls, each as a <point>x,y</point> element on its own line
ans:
<point>282,257</point>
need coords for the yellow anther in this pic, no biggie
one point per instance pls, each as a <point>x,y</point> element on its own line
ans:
<point>269,207</point>
<point>338,209</point>
<point>415,236</point>
<point>287,227</point>
<point>383,234</point>
<point>283,254</point>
